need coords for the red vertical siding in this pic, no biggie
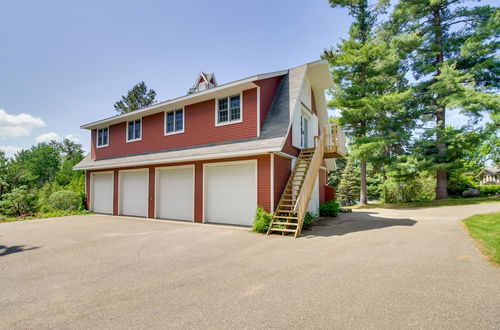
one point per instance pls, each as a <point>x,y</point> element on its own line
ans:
<point>288,147</point>
<point>268,89</point>
<point>151,200</point>
<point>263,183</point>
<point>282,171</point>
<point>199,128</point>
<point>198,192</point>
<point>322,185</point>
<point>116,177</point>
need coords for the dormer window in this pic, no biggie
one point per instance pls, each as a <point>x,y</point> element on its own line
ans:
<point>229,110</point>
<point>102,137</point>
<point>134,129</point>
<point>203,82</point>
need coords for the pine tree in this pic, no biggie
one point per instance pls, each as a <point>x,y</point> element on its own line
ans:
<point>138,97</point>
<point>349,184</point>
<point>452,51</point>
<point>370,89</point>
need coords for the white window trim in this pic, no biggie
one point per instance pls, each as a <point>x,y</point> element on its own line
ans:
<point>126,136</point>
<point>165,122</point>
<point>97,138</point>
<point>229,122</point>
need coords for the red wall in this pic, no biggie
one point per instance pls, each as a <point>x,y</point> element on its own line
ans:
<point>322,185</point>
<point>268,89</point>
<point>263,183</point>
<point>288,147</point>
<point>282,171</point>
<point>199,128</point>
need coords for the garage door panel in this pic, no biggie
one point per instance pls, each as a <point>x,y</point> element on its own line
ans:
<point>102,193</point>
<point>175,194</point>
<point>134,193</point>
<point>231,193</point>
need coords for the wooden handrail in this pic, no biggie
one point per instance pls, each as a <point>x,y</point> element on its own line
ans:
<point>310,179</point>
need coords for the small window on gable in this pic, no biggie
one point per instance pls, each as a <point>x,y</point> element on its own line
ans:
<point>103,137</point>
<point>134,130</point>
<point>174,121</point>
<point>229,109</point>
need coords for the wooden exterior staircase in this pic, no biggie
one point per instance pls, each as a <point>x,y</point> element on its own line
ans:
<point>292,207</point>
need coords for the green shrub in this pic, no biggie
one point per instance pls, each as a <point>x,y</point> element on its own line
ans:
<point>310,217</point>
<point>18,202</point>
<point>458,183</point>
<point>65,200</point>
<point>262,220</point>
<point>490,189</point>
<point>419,189</point>
<point>329,209</point>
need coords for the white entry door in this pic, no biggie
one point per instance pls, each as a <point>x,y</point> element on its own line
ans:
<point>230,192</point>
<point>175,193</point>
<point>134,192</point>
<point>101,193</point>
<point>304,132</point>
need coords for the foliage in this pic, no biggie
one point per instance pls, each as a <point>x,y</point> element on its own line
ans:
<point>456,200</point>
<point>51,214</point>
<point>420,189</point>
<point>329,209</point>
<point>65,200</point>
<point>370,89</point>
<point>459,182</point>
<point>490,189</point>
<point>450,47</point>
<point>309,218</point>
<point>349,184</point>
<point>261,221</point>
<point>18,202</point>
<point>138,97</point>
<point>486,229</point>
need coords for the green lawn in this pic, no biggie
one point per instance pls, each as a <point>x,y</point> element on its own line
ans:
<point>443,202</point>
<point>486,229</point>
<point>35,216</point>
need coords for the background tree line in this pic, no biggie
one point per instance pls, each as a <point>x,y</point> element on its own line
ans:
<point>401,69</point>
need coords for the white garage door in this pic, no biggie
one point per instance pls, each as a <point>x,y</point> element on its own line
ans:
<point>101,194</point>
<point>231,193</point>
<point>134,193</point>
<point>175,193</point>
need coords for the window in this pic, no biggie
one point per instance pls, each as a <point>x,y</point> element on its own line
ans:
<point>103,137</point>
<point>174,121</point>
<point>229,109</point>
<point>134,130</point>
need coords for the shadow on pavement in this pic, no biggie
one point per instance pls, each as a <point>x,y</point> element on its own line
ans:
<point>353,222</point>
<point>5,250</point>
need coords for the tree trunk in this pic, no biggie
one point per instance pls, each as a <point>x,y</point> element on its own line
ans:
<point>362,191</point>
<point>441,175</point>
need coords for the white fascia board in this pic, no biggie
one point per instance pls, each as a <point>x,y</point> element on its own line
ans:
<point>194,98</point>
<point>179,159</point>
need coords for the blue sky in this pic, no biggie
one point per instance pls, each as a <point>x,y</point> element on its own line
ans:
<point>64,63</point>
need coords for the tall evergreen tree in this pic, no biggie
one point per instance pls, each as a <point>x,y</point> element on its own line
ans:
<point>348,189</point>
<point>138,97</point>
<point>452,52</point>
<point>370,88</point>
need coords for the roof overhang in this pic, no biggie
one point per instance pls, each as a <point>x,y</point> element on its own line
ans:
<point>215,92</point>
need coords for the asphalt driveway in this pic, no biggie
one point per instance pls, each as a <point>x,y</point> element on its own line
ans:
<point>369,269</point>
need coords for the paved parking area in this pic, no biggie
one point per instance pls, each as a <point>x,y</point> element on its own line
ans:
<point>368,269</point>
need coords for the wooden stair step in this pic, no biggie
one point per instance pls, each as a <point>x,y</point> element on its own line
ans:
<point>284,217</point>
<point>283,230</point>
<point>285,223</point>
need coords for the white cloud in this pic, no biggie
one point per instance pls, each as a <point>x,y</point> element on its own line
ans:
<point>18,125</point>
<point>72,138</point>
<point>47,137</point>
<point>10,150</point>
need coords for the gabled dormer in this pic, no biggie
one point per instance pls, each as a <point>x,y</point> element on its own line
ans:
<point>203,82</point>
